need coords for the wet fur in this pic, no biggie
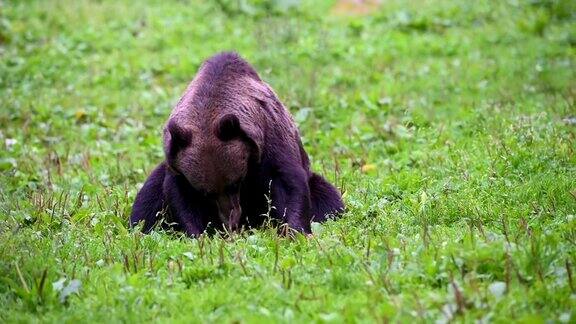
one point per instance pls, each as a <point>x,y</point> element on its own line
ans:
<point>277,165</point>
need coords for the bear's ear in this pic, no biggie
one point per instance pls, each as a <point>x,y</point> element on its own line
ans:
<point>229,128</point>
<point>175,137</point>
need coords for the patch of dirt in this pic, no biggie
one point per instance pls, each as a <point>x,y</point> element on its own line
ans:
<point>355,7</point>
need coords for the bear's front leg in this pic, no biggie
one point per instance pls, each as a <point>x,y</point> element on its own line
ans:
<point>149,200</point>
<point>186,206</point>
<point>291,199</point>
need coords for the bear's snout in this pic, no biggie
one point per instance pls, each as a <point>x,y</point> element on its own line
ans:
<point>229,210</point>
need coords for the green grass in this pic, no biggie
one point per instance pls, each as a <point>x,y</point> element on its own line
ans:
<point>449,125</point>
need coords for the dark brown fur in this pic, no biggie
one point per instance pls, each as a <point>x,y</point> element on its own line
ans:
<point>229,144</point>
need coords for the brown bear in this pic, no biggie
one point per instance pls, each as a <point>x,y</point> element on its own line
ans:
<point>233,159</point>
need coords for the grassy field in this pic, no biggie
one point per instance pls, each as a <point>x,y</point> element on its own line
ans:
<point>449,126</point>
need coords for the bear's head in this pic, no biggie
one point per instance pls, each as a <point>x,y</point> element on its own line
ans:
<point>214,161</point>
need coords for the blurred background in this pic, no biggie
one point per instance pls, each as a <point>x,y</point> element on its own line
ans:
<point>87,84</point>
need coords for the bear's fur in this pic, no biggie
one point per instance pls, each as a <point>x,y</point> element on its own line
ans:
<point>232,152</point>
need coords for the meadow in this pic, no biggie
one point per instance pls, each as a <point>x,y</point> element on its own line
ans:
<point>449,126</point>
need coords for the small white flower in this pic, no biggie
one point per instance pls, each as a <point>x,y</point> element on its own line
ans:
<point>497,288</point>
<point>9,142</point>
